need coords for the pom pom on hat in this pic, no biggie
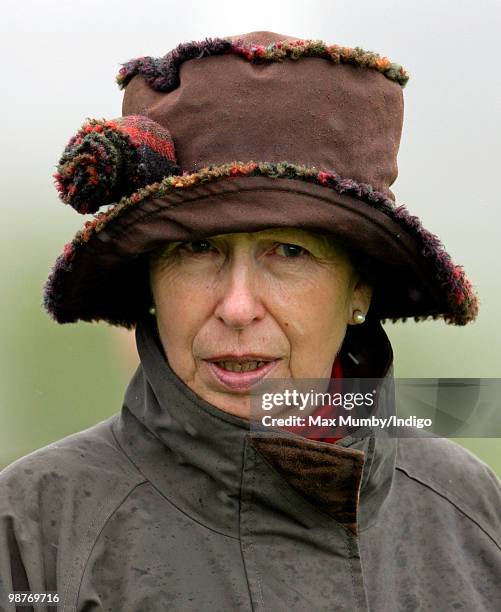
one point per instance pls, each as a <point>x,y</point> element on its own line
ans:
<point>107,160</point>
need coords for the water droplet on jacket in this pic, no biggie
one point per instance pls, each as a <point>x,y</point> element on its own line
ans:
<point>179,459</point>
<point>223,496</point>
<point>189,429</point>
<point>353,358</point>
<point>166,420</point>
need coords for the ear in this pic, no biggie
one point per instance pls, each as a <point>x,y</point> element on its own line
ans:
<point>360,299</point>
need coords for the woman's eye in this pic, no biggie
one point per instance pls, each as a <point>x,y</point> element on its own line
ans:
<point>197,246</point>
<point>292,250</point>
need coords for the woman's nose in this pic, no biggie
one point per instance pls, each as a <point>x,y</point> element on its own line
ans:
<point>239,301</point>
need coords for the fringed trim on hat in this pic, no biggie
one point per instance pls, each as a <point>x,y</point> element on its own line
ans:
<point>460,293</point>
<point>462,301</point>
<point>162,73</point>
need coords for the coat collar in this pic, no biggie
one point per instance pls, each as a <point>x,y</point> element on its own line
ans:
<point>199,457</point>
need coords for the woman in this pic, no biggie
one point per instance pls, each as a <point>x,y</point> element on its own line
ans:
<point>277,300</point>
<point>235,273</point>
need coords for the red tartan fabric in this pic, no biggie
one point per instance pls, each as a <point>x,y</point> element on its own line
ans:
<point>326,410</point>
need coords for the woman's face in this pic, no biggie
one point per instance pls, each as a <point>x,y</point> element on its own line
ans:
<point>224,304</point>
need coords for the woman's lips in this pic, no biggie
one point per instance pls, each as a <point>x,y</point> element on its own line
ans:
<point>240,380</point>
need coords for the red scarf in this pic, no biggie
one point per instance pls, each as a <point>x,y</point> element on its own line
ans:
<point>326,410</point>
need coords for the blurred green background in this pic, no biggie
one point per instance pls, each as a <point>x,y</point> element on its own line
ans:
<point>56,380</point>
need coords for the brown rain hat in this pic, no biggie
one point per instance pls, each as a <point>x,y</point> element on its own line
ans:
<point>240,134</point>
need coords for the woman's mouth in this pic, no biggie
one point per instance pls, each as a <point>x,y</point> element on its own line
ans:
<point>240,375</point>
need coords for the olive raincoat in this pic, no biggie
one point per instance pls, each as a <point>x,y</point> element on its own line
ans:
<point>173,504</point>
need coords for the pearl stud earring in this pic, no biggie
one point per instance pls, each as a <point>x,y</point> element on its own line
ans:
<point>358,316</point>
<point>152,310</point>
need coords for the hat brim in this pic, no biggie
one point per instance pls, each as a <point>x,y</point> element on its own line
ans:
<point>103,273</point>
